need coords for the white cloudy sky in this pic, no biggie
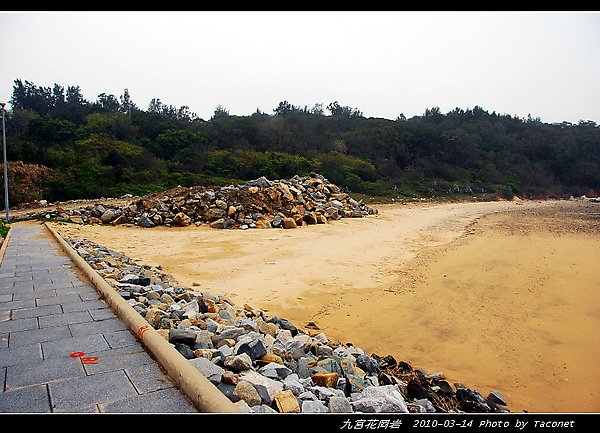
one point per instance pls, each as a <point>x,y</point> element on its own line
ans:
<point>384,63</point>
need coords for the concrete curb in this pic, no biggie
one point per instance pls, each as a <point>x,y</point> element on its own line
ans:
<point>4,245</point>
<point>201,392</point>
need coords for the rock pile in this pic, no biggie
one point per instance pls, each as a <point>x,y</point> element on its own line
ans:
<point>259,203</point>
<point>265,363</point>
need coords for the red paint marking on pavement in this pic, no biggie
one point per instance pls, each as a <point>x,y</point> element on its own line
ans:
<point>84,360</point>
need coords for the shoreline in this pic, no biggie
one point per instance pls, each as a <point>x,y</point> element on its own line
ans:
<point>430,240</point>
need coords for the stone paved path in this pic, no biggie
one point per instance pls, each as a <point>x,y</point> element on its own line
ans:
<point>62,349</point>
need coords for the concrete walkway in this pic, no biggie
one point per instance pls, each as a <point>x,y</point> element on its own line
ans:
<point>62,349</point>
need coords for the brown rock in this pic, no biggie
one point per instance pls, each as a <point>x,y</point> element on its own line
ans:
<point>270,357</point>
<point>246,391</point>
<point>325,378</point>
<point>299,219</point>
<point>182,219</point>
<point>310,218</point>
<point>230,378</point>
<point>263,224</point>
<point>164,333</point>
<point>286,402</point>
<point>321,219</point>
<point>154,314</point>
<point>289,223</point>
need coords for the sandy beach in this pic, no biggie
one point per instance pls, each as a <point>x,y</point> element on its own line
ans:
<point>497,295</point>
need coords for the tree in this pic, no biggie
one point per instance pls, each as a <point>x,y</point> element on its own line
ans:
<point>74,96</point>
<point>108,102</point>
<point>285,109</point>
<point>343,111</point>
<point>317,109</point>
<point>127,105</point>
<point>220,112</point>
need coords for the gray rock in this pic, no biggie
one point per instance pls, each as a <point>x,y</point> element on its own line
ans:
<point>307,395</point>
<point>367,364</point>
<point>357,383</point>
<point>185,350</point>
<point>228,389</point>
<point>287,325</point>
<point>313,406</point>
<point>238,363</point>
<point>323,393</point>
<point>292,383</point>
<point>243,406</point>
<point>247,324</point>
<point>426,405</point>
<point>129,279</point>
<point>277,221</point>
<point>378,399</point>
<point>266,387</point>
<point>331,365</point>
<point>338,404</point>
<point>275,371</point>
<point>232,332</point>
<point>224,314</point>
<point>303,370</point>
<point>255,349</point>
<point>211,325</point>
<point>108,216</point>
<point>146,222</point>
<point>497,398</point>
<point>263,409</point>
<point>97,211</point>
<point>218,224</point>
<point>295,348</point>
<point>183,336</point>
<point>209,369</point>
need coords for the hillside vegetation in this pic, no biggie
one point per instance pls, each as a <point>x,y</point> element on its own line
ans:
<point>109,147</point>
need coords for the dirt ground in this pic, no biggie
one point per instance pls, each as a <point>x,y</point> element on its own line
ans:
<point>497,295</point>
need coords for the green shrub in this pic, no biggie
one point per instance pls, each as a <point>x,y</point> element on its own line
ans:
<point>4,228</point>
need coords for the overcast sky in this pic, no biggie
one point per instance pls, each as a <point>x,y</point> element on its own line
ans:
<point>384,63</point>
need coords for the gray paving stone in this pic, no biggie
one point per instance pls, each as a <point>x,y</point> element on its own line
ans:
<point>137,348</point>
<point>148,377</point>
<point>122,338</point>
<point>47,310</point>
<point>30,323</point>
<point>12,305</point>
<point>83,292</point>
<point>65,319</point>
<point>20,355</point>
<point>32,336</point>
<point>30,400</point>
<point>21,295</point>
<point>39,372</point>
<point>59,299</point>
<point>91,408</point>
<point>86,305</point>
<point>102,314</point>
<point>163,401</point>
<point>117,362</point>
<point>89,344</point>
<point>99,327</point>
<point>98,388</point>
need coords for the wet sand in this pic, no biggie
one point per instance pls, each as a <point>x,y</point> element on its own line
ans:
<point>498,295</point>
